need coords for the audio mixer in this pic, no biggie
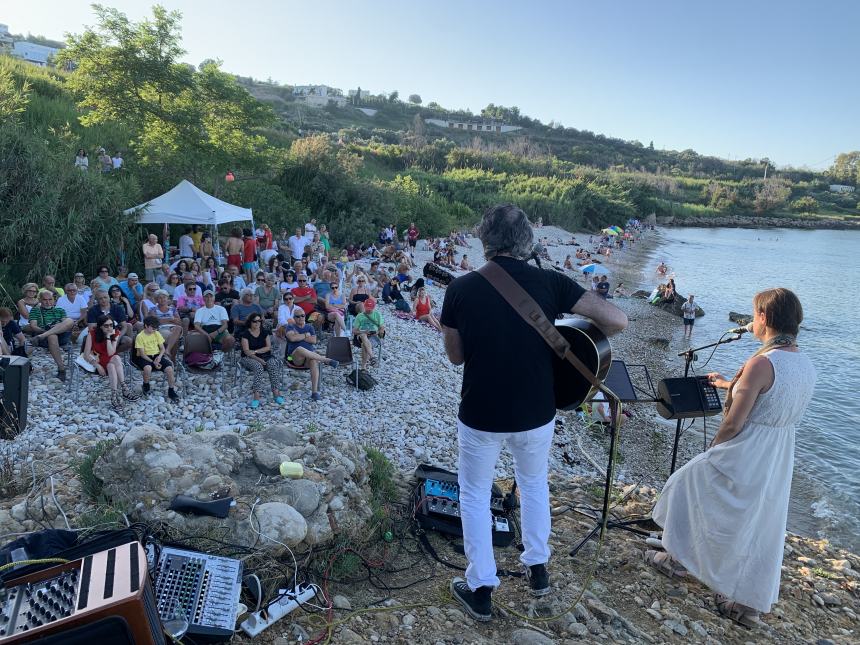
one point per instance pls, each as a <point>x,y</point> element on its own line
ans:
<point>202,588</point>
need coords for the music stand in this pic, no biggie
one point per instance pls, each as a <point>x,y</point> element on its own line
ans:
<point>619,382</point>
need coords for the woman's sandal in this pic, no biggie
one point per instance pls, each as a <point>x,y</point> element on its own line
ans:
<point>736,612</point>
<point>664,563</point>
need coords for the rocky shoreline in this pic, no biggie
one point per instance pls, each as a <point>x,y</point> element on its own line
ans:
<point>756,221</point>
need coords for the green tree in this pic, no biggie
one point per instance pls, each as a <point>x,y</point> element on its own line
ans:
<point>13,99</point>
<point>394,97</point>
<point>846,168</point>
<point>184,122</point>
<point>415,99</point>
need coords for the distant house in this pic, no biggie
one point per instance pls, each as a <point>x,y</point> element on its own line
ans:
<point>33,53</point>
<point>6,40</point>
<point>453,123</point>
<point>319,95</point>
<point>841,188</point>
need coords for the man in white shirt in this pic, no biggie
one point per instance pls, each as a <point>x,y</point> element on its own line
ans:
<point>238,281</point>
<point>75,306</point>
<point>186,245</point>
<point>212,320</point>
<point>117,161</point>
<point>310,229</point>
<point>298,242</point>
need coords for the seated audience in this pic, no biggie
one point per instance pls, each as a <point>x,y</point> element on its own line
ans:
<point>75,305</point>
<point>189,299</point>
<point>83,290</point>
<point>267,296</point>
<point>149,356</point>
<point>51,328</point>
<point>359,293</point>
<point>259,358</point>
<point>335,307</point>
<point>49,283</point>
<point>171,286</point>
<point>306,298</point>
<point>169,321</point>
<point>465,265</point>
<point>27,302</point>
<point>301,338</point>
<point>226,296</point>
<point>422,309</point>
<point>212,320</point>
<point>105,279</point>
<point>242,309</point>
<point>118,298</point>
<point>12,334</point>
<point>102,306</point>
<point>602,288</point>
<point>287,314</point>
<point>367,329</point>
<point>101,350</point>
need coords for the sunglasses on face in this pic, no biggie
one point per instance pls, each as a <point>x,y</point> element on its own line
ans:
<point>103,271</point>
<point>298,316</point>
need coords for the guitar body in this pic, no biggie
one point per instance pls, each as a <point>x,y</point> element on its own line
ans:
<point>591,347</point>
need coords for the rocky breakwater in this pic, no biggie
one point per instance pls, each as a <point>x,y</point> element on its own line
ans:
<point>140,475</point>
<point>756,221</point>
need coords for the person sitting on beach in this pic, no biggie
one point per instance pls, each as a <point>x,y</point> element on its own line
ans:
<point>148,302</point>
<point>102,306</point>
<point>359,293</point>
<point>306,298</point>
<point>465,265</point>
<point>595,280</point>
<point>51,328</point>
<point>238,281</point>
<point>75,305</point>
<point>149,356</point>
<point>169,321</point>
<point>49,283</point>
<point>602,288</point>
<point>301,338</point>
<point>259,358</point>
<point>287,314</point>
<point>12,334</point>
<point>212,320</point>
<point>267,296</point>
<point>568,263</point>
<point>117,297</point>
<point>619,291</point>
<point>189,298</point>
<point>289,282</point>
<point>422,309</point>
<point>26,303</point>
<point>335,307</point>
<point>368,329</point>
<point>101,350</point>
<point>669,291</point>
<point>242,310</point>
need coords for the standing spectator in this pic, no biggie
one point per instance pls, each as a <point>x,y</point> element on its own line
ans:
<point>116,160</point>
<point>688,310</point>
<point>153,256</point>
<point>297,245</point>
<point>412,235</point>
<point>301,338</point>
<point>310,228</point>
<point>249,255</point>
<point>105,160</point>
<point>106,280</point>
<point>51,328</point>
<point>233,248</point>
<point>186,245</point>
<point>206,248</point>
<point>149,356</point>
<point>258,358</point>
<point>325,239</point>
<point>212,320</point>
<point>102,351</point>
<point>82,161</point>
<point>197,237</point>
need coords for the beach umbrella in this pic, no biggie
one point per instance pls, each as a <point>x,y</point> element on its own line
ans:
<point>610,231</point>
<point>595,268</point>
<point>617,229</point>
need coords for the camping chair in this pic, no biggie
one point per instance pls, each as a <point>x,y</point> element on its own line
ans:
<point>195,342</point>
<point>339,348</point>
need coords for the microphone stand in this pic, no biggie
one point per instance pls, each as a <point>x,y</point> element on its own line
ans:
<point>689,356</point>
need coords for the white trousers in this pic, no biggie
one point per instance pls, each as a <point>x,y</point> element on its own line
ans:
<point>479,452</point>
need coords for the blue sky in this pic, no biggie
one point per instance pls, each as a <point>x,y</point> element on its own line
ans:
<point>730,78</point>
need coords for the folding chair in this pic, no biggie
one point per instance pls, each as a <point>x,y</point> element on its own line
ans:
<point>195,342</point>
<point>339,348</point>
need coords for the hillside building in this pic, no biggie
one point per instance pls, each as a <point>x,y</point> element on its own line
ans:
<point>32,53</point>
<point>6,40</point>
<point>841,188</point>
<point>472,125</point>
<point>319,95</point>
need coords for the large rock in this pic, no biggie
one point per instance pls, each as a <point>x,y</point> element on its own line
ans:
<point>152,465</point>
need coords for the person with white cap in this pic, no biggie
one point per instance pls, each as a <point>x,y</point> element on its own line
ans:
<point>133,290</point>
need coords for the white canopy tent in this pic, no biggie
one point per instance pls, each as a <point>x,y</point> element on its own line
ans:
<point>187,204</point>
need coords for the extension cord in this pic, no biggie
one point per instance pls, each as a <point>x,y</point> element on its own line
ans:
<point>256,623</point>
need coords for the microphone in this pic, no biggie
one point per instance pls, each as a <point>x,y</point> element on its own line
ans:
<point>741,330</point>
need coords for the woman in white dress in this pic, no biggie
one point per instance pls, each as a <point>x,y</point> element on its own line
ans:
<point>724,513</point>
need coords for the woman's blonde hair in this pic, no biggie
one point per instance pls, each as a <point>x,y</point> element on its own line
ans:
<point>29,285</point>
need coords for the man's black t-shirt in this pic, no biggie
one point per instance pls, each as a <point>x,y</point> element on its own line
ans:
<point>117,312</point>
<point>507,377</point>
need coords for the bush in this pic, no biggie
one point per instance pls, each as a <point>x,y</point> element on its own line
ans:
<point>804,204</point>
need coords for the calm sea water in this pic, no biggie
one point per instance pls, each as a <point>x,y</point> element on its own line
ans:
<point>724,268</point>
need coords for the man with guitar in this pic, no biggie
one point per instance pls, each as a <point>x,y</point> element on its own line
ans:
<point>508,394</point>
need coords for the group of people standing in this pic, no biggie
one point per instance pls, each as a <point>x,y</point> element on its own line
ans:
<point>106,162</point>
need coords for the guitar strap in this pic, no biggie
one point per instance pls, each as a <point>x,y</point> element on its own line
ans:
<point>530,311</point>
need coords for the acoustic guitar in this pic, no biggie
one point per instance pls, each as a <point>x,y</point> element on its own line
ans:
<point>591,347</point>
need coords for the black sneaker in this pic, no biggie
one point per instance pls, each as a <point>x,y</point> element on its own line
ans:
<point>61,374</point>
<point>538,579</point>
<point>478,603</point>
<point>172,395</point>
<point>145,387</point>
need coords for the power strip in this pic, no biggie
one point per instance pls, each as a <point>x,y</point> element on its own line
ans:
<point>256,622</point>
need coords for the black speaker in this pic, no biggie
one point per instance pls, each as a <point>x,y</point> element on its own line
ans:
<point>684,398</point>
<point>15,379</point>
